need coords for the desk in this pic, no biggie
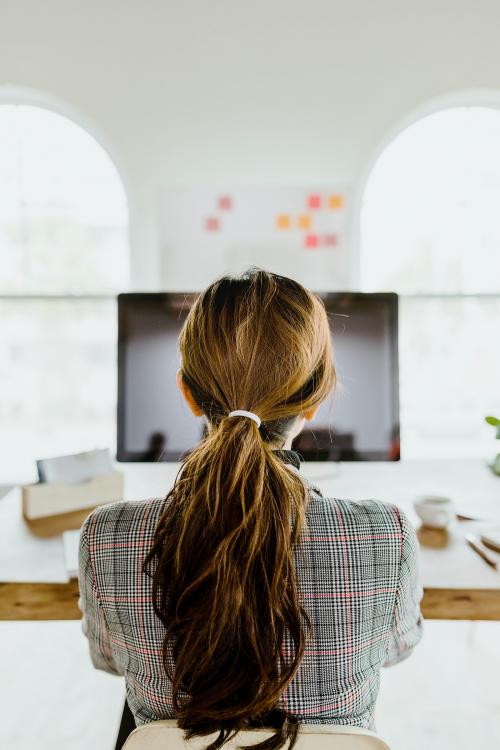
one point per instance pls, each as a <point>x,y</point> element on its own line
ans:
<point>458,585</point>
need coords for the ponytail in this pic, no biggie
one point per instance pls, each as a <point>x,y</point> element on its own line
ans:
<point>222,562</point>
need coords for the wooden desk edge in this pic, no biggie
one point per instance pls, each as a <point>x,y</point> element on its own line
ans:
<point>58,601</point>
<point>39,601</point>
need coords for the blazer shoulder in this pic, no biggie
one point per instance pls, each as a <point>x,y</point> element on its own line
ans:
<point>361,514</point>
<point>122,517</point>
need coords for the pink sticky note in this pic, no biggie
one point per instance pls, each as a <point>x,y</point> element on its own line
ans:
<point>311,240</point>
<point>225,203</point>
<point>212,224</point>
<point>331,240</point>
<point>314,201</point>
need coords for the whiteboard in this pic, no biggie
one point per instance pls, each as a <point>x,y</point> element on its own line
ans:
<point>293,231</point>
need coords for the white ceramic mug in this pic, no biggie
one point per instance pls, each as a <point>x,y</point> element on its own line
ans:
<point>435,511</point>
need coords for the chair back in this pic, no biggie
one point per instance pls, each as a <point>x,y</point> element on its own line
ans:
<point>166,735</point>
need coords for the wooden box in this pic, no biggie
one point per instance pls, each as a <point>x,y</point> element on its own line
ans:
<point>46,500</point>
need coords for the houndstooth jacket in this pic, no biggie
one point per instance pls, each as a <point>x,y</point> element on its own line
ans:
<point>357,572</point>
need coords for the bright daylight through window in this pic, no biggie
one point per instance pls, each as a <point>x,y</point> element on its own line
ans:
<point>63,256</point>
<point>430,230</point>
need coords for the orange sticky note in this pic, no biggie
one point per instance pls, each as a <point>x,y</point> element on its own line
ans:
<point>335,202</point>
<point>283,221</point>
<point>305,221</point>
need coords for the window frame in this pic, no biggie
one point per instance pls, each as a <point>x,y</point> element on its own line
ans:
<point>24,96</point>
<point>480,97</point>
<point>466,98</point>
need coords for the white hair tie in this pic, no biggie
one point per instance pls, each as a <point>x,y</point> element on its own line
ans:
<point>243,413</point>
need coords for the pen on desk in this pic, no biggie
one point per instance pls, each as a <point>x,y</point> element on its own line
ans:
<point>461,517</point>
<point>476,545</point>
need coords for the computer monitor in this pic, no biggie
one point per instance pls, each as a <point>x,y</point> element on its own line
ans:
<point>359,423</point>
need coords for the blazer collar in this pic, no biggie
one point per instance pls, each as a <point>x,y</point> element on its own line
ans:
<point>289,457</point>
<point>294,459</point>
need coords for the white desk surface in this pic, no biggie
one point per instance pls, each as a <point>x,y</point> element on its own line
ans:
<point>475,490</point>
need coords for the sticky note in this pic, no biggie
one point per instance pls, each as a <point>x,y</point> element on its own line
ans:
<point>311,240</point>
<point>304,221</point>
<point>212,224</point>
<point>331,240</point>
<point>314,201</point>
<point>225,203</point>
<point>283,221</point>
<point>335,202</point>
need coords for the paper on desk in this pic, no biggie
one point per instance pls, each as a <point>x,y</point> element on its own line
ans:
<point>71,543</point>
<point>75,468</point>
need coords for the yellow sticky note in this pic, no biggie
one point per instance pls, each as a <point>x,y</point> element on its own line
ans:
<point>305,221</point>
<point>283,221</point>
<point>335,202</point>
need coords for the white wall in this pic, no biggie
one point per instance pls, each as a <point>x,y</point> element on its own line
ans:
<point>248,93</point>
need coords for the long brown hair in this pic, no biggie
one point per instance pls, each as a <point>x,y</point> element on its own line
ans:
<point>222,563</point>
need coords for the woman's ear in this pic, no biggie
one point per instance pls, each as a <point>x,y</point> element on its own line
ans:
<point>310,413</point>
<point>187,395</point>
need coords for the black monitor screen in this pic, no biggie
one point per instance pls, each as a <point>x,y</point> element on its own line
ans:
<point>359,423</point>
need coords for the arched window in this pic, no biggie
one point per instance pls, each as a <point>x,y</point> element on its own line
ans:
<point>63,256</point>
<point>430,230</point>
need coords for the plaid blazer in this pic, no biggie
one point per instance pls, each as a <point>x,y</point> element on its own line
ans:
<point>357,571</point>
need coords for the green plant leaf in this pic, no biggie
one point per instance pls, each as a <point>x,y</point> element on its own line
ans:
<point>493,421</point>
